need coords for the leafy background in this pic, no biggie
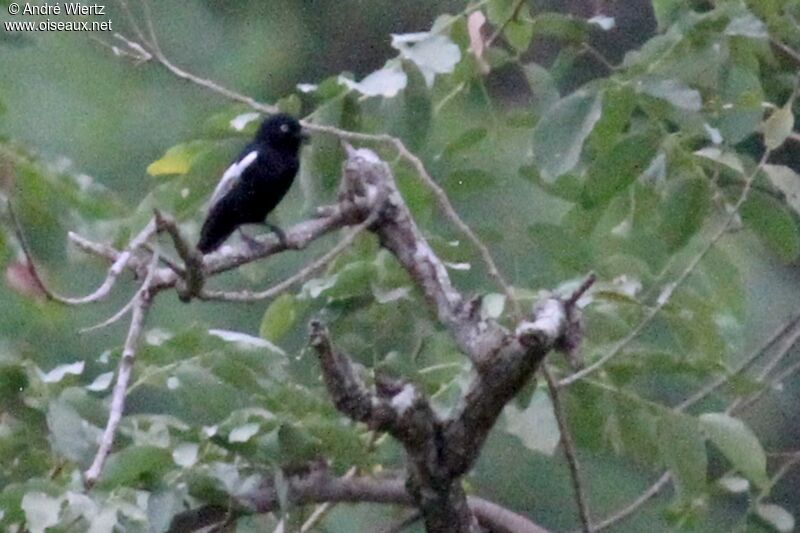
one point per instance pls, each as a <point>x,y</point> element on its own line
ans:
<point>559,163</point>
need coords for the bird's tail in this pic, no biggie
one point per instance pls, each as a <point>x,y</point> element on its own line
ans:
<point>213,235</point>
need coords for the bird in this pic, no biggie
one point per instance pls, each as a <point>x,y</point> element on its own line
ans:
<point>255,183</point>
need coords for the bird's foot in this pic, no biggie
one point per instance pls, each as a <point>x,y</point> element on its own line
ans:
<point>279,233</point>
<point>250,241</point>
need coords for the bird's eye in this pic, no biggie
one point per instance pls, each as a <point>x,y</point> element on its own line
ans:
<point>285,128</point>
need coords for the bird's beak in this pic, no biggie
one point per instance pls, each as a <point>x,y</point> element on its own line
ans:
<point>304,136</point>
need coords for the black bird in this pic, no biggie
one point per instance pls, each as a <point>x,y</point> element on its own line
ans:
<point>255,182</point>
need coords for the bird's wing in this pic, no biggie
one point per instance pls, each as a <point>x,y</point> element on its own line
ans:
<point>231,176</point>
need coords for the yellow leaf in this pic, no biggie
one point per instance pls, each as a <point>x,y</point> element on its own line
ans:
<point>177,160</point>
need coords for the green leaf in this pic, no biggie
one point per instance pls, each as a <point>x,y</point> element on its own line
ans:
<point>244,432</point>
<point>290,104</point>
<point>667,12</point>
<point>41,511</point>
<point>683,450</point>
<point>618,105</point>
<point>72,436</point>
<point>519,33</point>
<point>684,210</point>
<point>297,445</point>
<point>739,444</point>
<point>466,182</point>
<point>178,159</point>
<point>741,96</point>
<point>185,454</point>
<point>409,116</point>
<point>432,52</point>
<point>465,141</point>
<point>561,26</point>
<point>535,425</point>
<point>787,181</point>
<point>673,91</point>
<point>773,223</point>
<point>162,506</point>
<point>352,281</point>
<point>778,126</point>
<point>279,317</point>
<point>734,484</point>
<point>543,87</point>
<point>614,171</point>
<point>558,137</point>
<point>747,26</point>
<point>729,159</point>
<point>135,465</point>
<point>386,82</point>
<point>776,517</point>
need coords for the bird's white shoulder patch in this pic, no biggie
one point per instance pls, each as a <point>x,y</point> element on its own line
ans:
<point>231,176</point>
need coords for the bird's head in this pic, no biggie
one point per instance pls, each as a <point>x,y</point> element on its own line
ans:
<point>281,131</point>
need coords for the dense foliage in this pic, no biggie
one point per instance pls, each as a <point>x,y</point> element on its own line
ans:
<point>667,173</point>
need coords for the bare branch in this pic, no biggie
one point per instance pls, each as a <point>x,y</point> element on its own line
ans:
<point>124,370</point>
<point>193,260</point>
<point>570,452</point>
<point>151,270</point>
<point>399,409</point>
<point>300,276</point>
<point>320,487</point>
<point>514,360</point>
<point>113,272</point>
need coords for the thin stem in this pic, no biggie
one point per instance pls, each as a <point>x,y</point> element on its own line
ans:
<point>746,363</point>
<point>570,453</point>
<point>632,507</point>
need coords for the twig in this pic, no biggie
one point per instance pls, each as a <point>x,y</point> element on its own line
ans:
<point>499,31</point>
<point>790,462</point>
<point>570,453</point>
<point>669,289</point>
<point>629,509</point>
<point>787,343</point>
<point>124,370</point>
<point>794,54</point>
<point>319,487</point>
<point>113,272</point>
<point>741,367</point>
<point>324,508</point>
<point>192,259</point>
<point>598,55</point>
<point>151,270</point>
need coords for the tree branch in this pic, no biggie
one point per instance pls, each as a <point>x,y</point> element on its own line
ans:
<point>124,370</point>
<point>399,409</point>
<point>120,263</point>
<point>320,487</point>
